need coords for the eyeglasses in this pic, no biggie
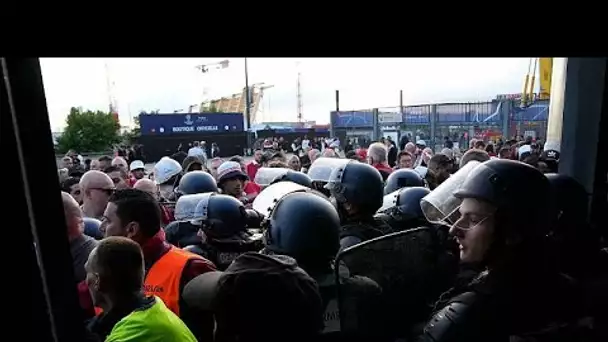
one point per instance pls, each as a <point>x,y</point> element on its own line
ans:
<point>465,223</point>
<point>106,190</point>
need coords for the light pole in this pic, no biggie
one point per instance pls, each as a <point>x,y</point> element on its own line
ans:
<point>247,106</point>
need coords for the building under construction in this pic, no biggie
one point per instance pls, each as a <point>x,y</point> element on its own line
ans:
<point>237,103</point>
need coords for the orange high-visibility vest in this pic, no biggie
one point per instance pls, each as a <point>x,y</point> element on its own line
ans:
<point>163,278</point>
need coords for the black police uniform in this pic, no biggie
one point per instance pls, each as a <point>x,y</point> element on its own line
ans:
<point>362,186</point>
<point>518,292</point>
<point>305,226</point>
<point>223,220</point>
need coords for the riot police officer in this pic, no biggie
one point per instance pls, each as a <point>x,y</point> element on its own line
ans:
<point>356,190</point>
<point>196,182</point>
<point>401,208</point>
<point>181,232</point>
<point>402,178</point>
<point>305,226</point>
<point>500,224</point>
<point>222,222</point>
<point>294,176</point>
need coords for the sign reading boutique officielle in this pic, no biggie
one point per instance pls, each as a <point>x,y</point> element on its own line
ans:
<point>166,124</point>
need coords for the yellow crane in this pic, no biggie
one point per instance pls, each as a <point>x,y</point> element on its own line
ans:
<point>545,67</point>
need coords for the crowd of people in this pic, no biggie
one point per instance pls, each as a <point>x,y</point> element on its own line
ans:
<point>384,243</point>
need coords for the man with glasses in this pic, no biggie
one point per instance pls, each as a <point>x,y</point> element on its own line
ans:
<point>96,188</point>
<point>500,227</point>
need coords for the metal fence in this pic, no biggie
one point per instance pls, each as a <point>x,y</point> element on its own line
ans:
<point>460,122</point>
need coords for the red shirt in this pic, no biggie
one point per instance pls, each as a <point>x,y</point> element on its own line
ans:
<point>252,169</point>
<point>153,249</point>
<point>383,167</point>
<point>252,188</point>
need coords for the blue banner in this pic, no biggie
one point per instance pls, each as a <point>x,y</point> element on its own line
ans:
<point>469,113</point>
<point>536,112</point>
<point>416,115</point>
<point>352,119</point>
<point>192,123</point>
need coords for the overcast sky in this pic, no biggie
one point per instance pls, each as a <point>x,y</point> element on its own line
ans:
<point>171,84</point>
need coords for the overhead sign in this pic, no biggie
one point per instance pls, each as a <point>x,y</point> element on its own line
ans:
<point>167,124</point>
<point>346,119</point>
<point>389,118</point>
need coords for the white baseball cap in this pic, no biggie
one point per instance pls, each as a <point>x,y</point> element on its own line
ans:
<point>137,164</point>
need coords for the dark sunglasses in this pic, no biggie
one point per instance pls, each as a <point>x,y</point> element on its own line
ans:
<point>107,191</point>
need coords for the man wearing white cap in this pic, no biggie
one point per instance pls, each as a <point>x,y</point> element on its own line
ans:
<point>138,171</point>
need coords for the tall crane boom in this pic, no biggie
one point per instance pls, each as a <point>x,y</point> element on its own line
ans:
<point>113,107</point>
<point>545,67</point>
<point>545,71</point>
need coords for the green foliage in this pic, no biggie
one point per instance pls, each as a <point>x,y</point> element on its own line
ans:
<point>131,136</point>
<point>88,131</point>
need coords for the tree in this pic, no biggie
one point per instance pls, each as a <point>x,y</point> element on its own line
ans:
<point>88,131</point>
<point>131,136</point>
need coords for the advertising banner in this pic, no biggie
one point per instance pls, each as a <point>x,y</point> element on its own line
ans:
<point>168,124</point>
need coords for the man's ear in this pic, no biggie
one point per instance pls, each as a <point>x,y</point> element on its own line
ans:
<point>132,230</point>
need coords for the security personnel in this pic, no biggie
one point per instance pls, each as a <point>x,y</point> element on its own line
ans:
<point>356,190</point>
<point>502,227</point>
<point>196,182</point>
<point>222,221</point>
<point>181,232</point>
<point>294,176</point>
<point>406,212</point>
<point>135,214</point>
<point>305,226</point>
<point>402,178</point>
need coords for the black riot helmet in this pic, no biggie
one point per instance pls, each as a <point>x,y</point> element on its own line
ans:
<point>196,182</point>
<point>91,228</point>
<point>358,184</point>
<point>294,176</point>
<point>402,178</point>
<point>182,234</point>
<point>305,226</point>
<point>220,216</point>
<point>408,202</point>
<point>520,192</point>
<point>402,210</point>
<point>570,200</point>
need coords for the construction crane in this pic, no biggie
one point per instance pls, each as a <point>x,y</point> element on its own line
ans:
<point>110,87</point>
<point>257,97</point>
<point>299,95</point>
<point>545,67</point>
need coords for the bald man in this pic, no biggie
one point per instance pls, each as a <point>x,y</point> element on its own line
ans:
<point>80,244</point>
<point>152,188</point>
<point>148,186</point>
<point>96,188</point>
<point>120,163</point>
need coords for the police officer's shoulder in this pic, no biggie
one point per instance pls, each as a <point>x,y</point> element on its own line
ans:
<point>349,241</point>
<point>455,321</point>
<point>362,285</point>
